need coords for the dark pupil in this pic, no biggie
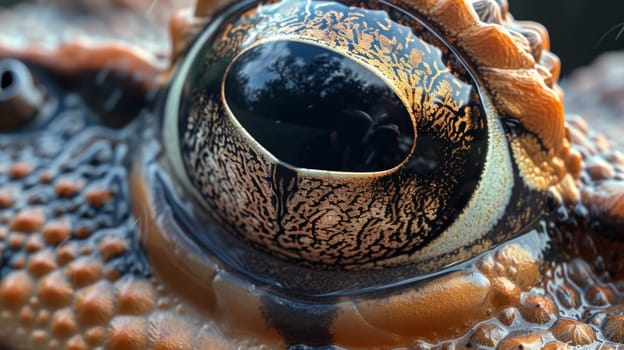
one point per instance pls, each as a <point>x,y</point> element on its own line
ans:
<point>6,80</point>
<point>314,108</point>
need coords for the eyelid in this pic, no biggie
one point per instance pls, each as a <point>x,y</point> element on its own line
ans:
<point>234,305</point>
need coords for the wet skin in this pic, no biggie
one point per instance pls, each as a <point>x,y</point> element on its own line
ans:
<point>95,251</point>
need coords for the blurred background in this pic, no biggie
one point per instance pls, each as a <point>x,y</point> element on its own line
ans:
<point>579,29</point>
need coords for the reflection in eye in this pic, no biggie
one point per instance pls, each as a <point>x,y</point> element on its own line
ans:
<point>343,137</point>
<point>313,108</point>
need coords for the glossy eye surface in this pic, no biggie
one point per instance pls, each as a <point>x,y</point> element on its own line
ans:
<point>313,108</point>
<point>338,135</point>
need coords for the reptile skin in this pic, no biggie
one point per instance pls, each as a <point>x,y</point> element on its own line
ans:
<point>93,253</point>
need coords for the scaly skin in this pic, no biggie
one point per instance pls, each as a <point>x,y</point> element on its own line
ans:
<point>92,257</point>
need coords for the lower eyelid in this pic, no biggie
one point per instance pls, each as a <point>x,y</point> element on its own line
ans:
<point>235,305</point>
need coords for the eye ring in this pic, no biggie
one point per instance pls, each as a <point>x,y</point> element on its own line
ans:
<point>479,225</point>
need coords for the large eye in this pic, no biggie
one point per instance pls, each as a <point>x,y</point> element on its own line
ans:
<point>350,136</point>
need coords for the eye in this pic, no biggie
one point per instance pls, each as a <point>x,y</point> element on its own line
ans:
<point>355,137</point>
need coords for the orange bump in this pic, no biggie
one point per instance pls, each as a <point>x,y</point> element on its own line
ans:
<point>573,332</point>
<point>504,292</point>
<point>19,262</point>
<point>488,335</point>
<point>43,318</point>
<point>94,304</point>
<point>86,250</point>
<point>575,136</point>
<point>84,271</point>
<point>33,244</point>
<point>94,336</point>
<point>56,232</point>
<point>613,328</point>
<point>54,290</point>
<point>127,333</point>
<point>111,273</point>
<point>15,289</point>
<point>64,323</point>
<point>135,297</point>
<point>76,343</point>
<point>163,303</point>
<point>20,170</point>
<point>83,231</point>
<point>556,345</point>
<point>168,333</point>
<point>574,163</point>
<point>26,316</point>
<point>521,340</point>
<point>97,197</point>
<point>16,241</point>
<point>66,253</point>
<point>67,188</point>
<point>568,190</point>
<point>616,157</point>
<point>599,169</point>
<point>581,273</point>
<point>579,124</point>
<point>28,221</point>
<point>112,246</point>
<point>538,309</point>
<point>42,263</point>
<point>601,142</point>
<point>598,295</point>
<point>45,177</point>
<point>6,199</point>
<point>568,297</point>
<point>526,270</point>
<point>507,316</point>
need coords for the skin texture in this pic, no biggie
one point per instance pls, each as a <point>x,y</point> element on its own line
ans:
<point>92,256</point>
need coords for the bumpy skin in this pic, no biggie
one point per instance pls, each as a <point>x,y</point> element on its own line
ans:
<point>83,226</point>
